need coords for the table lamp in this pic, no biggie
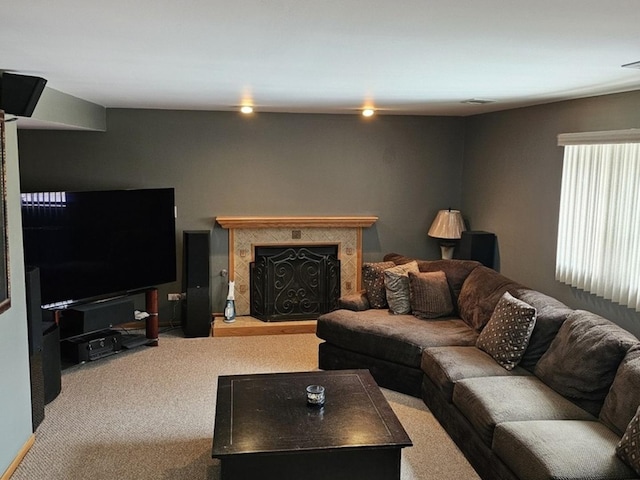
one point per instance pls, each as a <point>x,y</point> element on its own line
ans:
<point>448,227</point>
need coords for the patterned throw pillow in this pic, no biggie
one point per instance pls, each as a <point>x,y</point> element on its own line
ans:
<point>507,333</point>
<point>429,294</point>
<point>373,283</point>
<point>629,447</point>
<point>396,282</point>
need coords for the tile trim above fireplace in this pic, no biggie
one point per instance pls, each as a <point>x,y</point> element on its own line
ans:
<point>245,233</point>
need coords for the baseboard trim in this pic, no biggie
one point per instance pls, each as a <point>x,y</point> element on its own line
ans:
<point>21,454</point>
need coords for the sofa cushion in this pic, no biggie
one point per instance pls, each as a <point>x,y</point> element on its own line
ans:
<point>396,282</point>
<point>429,295</point>
<point>489,401</point>
<point>624,396</point>
<point>629,447</point>
<point>373,283</point>
<point>480,293</point>
<point>568,450</point>
<point>506,335</point>
<point>456,270</point>
<point>551,314</point>
<point>584,357</point>
<point>395,338</point>
<point>446,365</point>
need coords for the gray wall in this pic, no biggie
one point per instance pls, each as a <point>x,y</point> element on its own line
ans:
<point>402,169</point>
<point>511,186</point>
<point>15,390</point>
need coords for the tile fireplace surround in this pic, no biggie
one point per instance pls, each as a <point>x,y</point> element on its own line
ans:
<point>246,233</point>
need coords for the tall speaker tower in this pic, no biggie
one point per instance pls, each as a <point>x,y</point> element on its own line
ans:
<point>196,306</point>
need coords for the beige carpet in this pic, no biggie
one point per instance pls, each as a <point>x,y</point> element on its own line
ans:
<point>148,413</point>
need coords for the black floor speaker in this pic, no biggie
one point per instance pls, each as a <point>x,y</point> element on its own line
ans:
<point>51,363</point>
<point>37,389</point>
<point>196,306</point>
<point>34,311</point>
<point>44,349</point>
<point>477,245</point>
<point>35,335</point>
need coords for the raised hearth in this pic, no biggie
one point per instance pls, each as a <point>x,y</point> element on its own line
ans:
<point>247,233</point>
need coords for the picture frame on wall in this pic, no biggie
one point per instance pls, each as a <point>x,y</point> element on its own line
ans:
<point>5,287</point>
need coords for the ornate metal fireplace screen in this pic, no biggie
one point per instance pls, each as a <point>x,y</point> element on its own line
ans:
<point>294,283</point>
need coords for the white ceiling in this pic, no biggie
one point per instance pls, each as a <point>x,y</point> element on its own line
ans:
<point>328,56</point>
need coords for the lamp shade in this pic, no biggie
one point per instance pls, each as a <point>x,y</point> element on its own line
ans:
<point>448,224</point>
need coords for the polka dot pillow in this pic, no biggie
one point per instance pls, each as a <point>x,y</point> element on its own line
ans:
<point>506,335</point>
<point>373,282</point>
<point>629,447</point>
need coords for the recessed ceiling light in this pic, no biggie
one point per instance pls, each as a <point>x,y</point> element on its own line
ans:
<point>631,65</point>
<point>477,101</point>
<point>368,112</point>
<point>246,109</point>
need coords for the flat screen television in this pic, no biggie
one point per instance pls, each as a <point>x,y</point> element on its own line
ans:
<point>99,244</point>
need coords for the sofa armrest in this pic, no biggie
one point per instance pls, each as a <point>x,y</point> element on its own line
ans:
<point>356,302</point>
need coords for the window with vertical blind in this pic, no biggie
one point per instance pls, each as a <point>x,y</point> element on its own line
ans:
<point>599,224</point>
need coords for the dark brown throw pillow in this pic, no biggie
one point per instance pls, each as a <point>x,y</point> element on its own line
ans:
<point>429,295</point>
<point>507,333</point>
<point>373,282</point>
<point>582,360</point>
<point>624,395</point>
<point>551,314</point>
<point>480,293</point>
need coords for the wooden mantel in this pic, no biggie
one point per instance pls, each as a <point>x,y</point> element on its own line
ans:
<point>231,222</point>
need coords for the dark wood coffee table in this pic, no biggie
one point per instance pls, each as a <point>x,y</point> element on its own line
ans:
<point>265,430</point>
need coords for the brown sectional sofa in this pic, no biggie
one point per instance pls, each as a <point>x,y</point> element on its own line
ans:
<point>559,414</point>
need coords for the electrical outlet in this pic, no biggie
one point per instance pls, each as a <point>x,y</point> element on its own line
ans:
<point>174,297</point>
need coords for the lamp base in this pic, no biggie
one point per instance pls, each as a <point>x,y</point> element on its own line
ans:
<point>446,249</point>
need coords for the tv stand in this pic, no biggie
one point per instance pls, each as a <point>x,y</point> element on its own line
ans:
<point>151,322</point>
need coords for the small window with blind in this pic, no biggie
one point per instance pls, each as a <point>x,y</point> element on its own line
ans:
<point>599,224</point>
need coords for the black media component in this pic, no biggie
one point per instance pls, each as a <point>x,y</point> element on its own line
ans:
<point>196,306</point>
<point>19,94</point>
<point>99,244</point>
<point>477,245</point>
<point>86,318</point>
<point>92,346</point>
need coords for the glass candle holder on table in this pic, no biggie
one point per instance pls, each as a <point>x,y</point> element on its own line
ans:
<point>315,395</point>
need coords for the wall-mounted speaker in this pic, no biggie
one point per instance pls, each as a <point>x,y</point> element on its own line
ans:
<point>477,245</point>
<point>196,306</point>
<point>19,94</point>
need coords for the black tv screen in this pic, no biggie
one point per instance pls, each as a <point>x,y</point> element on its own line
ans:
<point>98,244</point>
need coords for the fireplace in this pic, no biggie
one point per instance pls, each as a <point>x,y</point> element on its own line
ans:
<point>246,233</point>
<point>294,282</point>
